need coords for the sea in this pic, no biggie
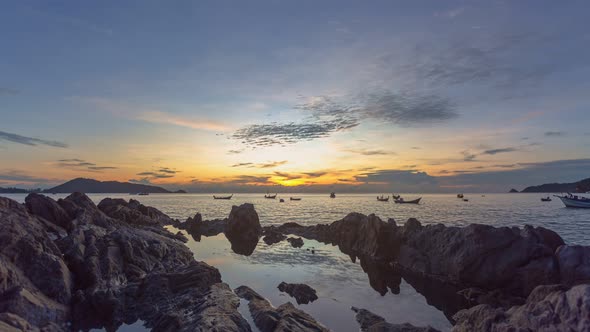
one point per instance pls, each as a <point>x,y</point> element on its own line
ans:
<point>340,281</point>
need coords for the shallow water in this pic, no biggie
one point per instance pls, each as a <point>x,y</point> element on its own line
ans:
<point>341,283</point>
<point>493,209</point>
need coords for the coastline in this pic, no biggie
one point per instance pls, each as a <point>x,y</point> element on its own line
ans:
<point>98,259</point>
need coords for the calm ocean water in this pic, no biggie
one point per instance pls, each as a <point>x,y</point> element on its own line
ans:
<point>493,209</point>
<point>341,283</point>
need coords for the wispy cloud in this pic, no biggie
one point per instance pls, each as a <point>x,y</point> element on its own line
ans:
<point>468,155</point>
<point>149,114</point>
<point>82,165</point>
<point>235,151</point>
<point>31,141</point>
<point>271,164</point>
<point>554,133</point>
<point>371,152</point>
<point>501,150</point>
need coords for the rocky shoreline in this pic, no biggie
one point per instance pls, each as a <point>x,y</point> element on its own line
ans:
<point>70,265</point>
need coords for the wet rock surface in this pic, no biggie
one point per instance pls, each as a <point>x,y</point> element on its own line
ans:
<point>302,293</point>
<point>71,265</point>
<point>285,318</point>
<point>243,229</point>
<point>371,322</point>
<point>272,237</point>
<point>296,242</point>
<point>548,308</point>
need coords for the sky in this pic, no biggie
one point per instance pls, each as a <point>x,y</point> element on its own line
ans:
<point>300,96</point>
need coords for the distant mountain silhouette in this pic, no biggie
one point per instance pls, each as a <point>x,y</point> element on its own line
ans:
<point>513,190</point>
<point>102,187</point>
<point>579,187</point>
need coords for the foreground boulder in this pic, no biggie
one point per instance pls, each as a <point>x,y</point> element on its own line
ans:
<point>104,271</point>
<point>243,229</point>
<point>548,308</point>
<point>285,318</point>
<point>302,293</point>
<point>574,264</point>
<point>370,322</point>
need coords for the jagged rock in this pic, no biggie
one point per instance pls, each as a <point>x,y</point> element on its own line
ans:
<point>243,229</point>
<point>480,256</point>
<point>302,293</point>
<point>548,308</point>
<point>192,225</point>
<point>285,318</point>
<point>272,237</point>
<point>496,298</point>
<point>105,272</point>
<point>371,322</point>
<point>35,284</point>
<point>296,242</point>
<point>574,264</point>
<point>133,212</point>
<point>45,207</point>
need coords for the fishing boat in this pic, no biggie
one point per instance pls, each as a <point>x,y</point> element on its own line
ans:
<point>270,196</point>
<point>294,199</point>
<point>574,201</point>
<point>465,200</point>
<point>143,194</point>
<point>402,201</point>
<point>383,199</point>
<point>546,199</point>
<point>396,196</point>
<point>223,197</point>
<point>460,196</point>
<point>332,195</point>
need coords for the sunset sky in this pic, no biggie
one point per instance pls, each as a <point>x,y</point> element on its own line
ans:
<point>367,96</point>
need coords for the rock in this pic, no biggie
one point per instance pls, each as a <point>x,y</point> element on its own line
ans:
<point>133,212</point>
<point>548,308</point>
<point>285,318</point>
<point>302,293</point>
<point>272,237</point>
<point>105,271</point>
<point>382,276</point>
<point>480,256</point>
<point>192,225</point>
<point>496,298</point>
<point>296,242</point>
<point>45,207</point>
<point>574,264</point>
<point>370,322</point>
<point>243,229</point>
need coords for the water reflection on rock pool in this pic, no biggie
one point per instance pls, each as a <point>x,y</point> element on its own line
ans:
<point>340,282</point>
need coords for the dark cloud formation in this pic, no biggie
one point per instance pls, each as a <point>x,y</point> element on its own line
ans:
<point>500,150</point>
<point>243,165</point>
<point>326,116</point>
<point>468,155</point>
<point>8,92</point>
<point>554,133</point>
<point>492,60</point>
<point>372,152</point>
<point>271,164</point>
<point>235,151</point>
<point>158,173</point>
<point>80,164</point>
<point>155,175</point>
<point>289,133</point>
<point>31,141</point>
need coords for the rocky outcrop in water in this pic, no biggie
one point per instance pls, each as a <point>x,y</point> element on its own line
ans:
<point>243,229</point>
<point>548,308</point>
<point>302,293</point>
<point>371,322</point>
<point>285,318</point>
<point>273,236</point>
<point>296,242</point>
<point>71,265</point>
<point>482,256</point>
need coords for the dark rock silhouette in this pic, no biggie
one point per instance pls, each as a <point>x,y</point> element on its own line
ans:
<point>547,308</point>
<point>302,293</point>
<point>371,322</point>
<point>296,242</point>
<point>285,318</point>
<point>106,270</point>
<point>272,237</point>
<point>243,229</point>
<point>94,186</point>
